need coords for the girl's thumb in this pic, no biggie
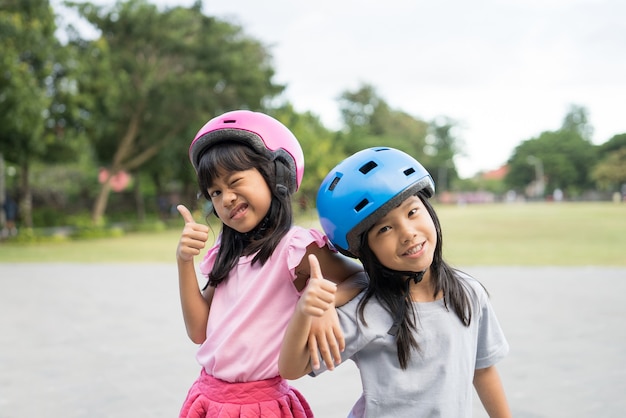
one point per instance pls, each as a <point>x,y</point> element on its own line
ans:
<point>184,212</point>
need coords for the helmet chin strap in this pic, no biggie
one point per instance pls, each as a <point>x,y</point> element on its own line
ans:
<point>416,276</point>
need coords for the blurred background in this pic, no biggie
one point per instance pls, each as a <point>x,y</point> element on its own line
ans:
<point>99,101</point>
<point>516,109</point>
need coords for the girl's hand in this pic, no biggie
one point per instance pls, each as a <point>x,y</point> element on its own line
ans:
<point>319,294</point>
<point>193,238</point>
<point>326,338</point>
<point>318,301</point>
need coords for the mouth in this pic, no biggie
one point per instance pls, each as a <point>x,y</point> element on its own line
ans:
<point>415,249</point>
<point>238,211</point>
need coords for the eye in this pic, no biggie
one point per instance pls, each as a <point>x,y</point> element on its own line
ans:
<point>214,193</point>
<point>384,229</point>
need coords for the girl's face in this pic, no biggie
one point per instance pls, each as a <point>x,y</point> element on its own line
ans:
<point>241,198</point>
<point>405,238</point>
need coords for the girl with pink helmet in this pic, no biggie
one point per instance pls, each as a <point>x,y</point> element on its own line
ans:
<point>248,165</point>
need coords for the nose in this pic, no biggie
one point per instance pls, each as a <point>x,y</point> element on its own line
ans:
<point>407,233</point>
<point>228,197</point>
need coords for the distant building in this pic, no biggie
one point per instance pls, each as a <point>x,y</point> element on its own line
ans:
<point>497,174</point>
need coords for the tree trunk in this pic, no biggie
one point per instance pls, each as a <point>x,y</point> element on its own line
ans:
<point>139,202</point>
<point>101,202</point>
<point>25,207</point>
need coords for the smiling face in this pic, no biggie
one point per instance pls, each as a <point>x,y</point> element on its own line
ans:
<point>240,198</point>
<point>405,238</point>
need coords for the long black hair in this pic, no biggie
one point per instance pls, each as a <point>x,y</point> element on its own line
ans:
<point>392,290</point>
<point>232,156</point>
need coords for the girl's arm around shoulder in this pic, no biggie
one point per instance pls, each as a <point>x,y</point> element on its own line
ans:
<point>491,392</point>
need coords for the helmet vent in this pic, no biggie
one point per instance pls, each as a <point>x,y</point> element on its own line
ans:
<point>366,168</point>
<point>409,171</point>
<point>334,184</point>
<point>230,120</point>
<point>361,205</point>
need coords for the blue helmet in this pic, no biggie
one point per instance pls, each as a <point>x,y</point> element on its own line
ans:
<point>363,188</point>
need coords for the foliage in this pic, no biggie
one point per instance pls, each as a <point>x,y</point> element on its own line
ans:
<point>616,143</point>
<point>565,155</point>
<point>610,172</point>
<point>478,183</point>
<point>148,90</point>
<point>32,76</point>
<point>319,147</point>
<point>26,30</point>
<point>442,146</point>
<point>370,122</point>
<point>134,97</point>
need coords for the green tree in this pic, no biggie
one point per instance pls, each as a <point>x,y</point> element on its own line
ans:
<point>369,121</point>
<point>610,171</point>
<point>319,146</point>
<point>149,89</point>
<point>443,146</point>
<point>616,143</point>
<point>577,120</point>
<point>31,82</point>
<point>565,158</point>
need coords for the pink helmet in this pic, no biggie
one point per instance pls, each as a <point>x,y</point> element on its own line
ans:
<point>261,132</point>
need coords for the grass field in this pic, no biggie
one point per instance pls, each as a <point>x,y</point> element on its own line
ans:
<point>532,234</point>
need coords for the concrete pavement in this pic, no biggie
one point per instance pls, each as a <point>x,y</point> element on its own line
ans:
<point>85,340</point>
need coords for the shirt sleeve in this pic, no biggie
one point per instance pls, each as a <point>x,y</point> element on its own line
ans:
<point>492,344</point>
<point>299,239</point>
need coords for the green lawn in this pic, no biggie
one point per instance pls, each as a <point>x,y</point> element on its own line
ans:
<point>516,234</point>
<point>535,234</point>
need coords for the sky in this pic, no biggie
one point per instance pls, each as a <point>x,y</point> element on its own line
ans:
<point>503,70</point>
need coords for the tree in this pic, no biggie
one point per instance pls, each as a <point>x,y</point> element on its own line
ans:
<point>30,75</point>
<point>616,143</point>
<point>565,157</point>
<point>369,121</point>
<point>577,120</point>
<point>443,146</point>
<point>610,172</point>
<point>151,89</point>
<point>319,146</point>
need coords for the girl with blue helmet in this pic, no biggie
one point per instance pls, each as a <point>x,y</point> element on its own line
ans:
<point>421,333</point>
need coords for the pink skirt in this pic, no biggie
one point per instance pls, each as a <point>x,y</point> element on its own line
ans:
<point>271,398</point>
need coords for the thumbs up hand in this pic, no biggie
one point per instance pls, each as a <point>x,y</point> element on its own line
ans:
<point>318,301</point>
<point>193,238</point>
<point>319,294</point>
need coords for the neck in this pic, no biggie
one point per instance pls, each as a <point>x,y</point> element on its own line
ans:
<point>424,291</point>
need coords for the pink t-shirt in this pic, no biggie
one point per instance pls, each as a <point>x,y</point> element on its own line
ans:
<point>251,309</point>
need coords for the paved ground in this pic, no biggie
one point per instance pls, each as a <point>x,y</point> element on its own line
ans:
<point>108,341</point>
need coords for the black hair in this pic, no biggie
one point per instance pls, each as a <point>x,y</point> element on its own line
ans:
<point>231,156</point>
<point>391,288</point>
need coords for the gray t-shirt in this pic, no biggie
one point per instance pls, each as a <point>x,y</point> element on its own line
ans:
<point>438,380</point>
